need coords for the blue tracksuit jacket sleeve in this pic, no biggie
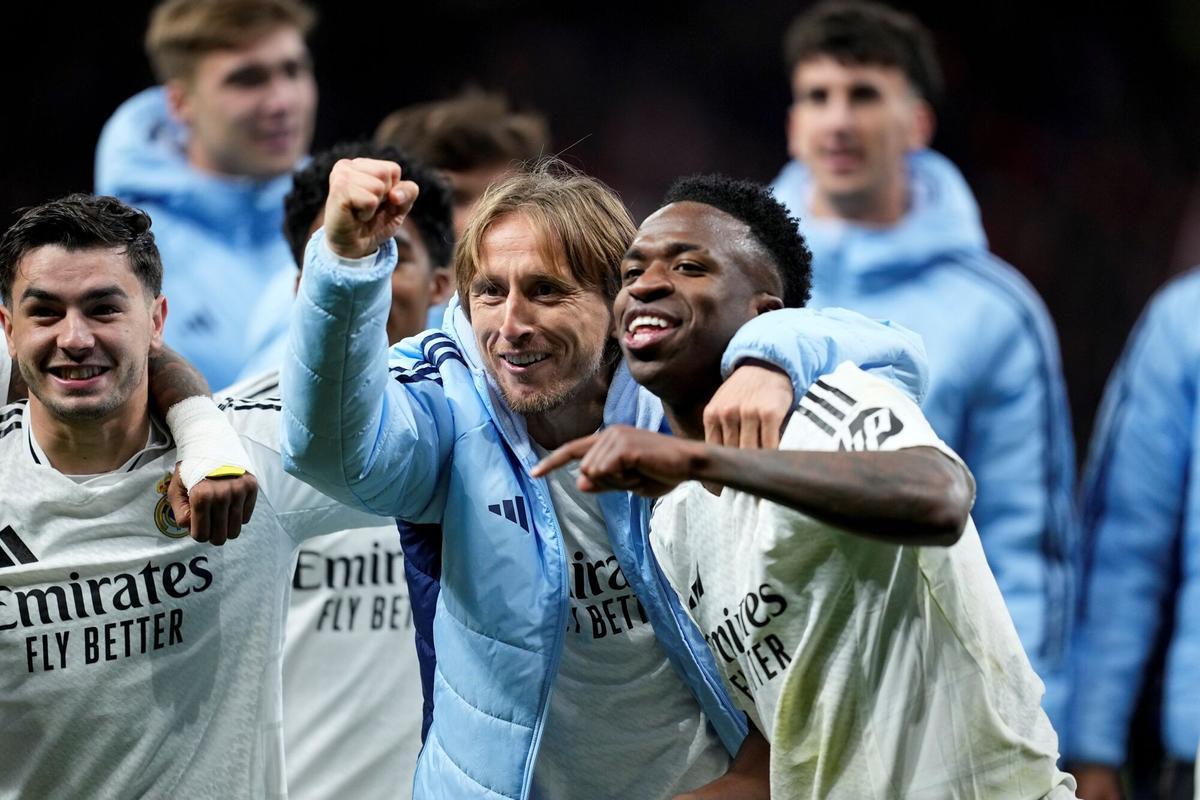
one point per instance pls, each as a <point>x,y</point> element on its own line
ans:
<point>1134,498</point>
<point>807,343</point>
<point>1018,442</point>
<point>372,435</point>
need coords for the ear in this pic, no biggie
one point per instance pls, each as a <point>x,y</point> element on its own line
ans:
<point>924,122</point>
<point>158,317</point>
<point>6,318</point>
<point>440,286</point>
<point>179,101</point>
<point>765,301</point>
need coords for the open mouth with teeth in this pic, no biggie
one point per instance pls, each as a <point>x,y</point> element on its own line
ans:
<point>519,362</point>
<point>77,375</point>
<point>644,330</point>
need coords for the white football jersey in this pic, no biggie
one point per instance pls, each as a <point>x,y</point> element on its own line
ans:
<point>876,671</point>
<point>352,700</point>
<point>134,661</point>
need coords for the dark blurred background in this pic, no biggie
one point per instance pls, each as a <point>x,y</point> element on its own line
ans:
<point>1077,128</point>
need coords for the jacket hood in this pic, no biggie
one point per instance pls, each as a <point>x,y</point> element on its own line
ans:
<point>141,159</point>
<point>627,403</point>
<point>943,218</point>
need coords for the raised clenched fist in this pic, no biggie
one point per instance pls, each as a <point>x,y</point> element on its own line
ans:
<point>366,206</point>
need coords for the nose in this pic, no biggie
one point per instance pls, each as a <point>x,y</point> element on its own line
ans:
<point>75,337</point>
<point>518,318</point>
<point>652,284</point>
<point>281,93</point>
<point>839,111</point>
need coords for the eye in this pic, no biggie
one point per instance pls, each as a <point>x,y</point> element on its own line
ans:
<point>105,310</point>
<point>864,94</point>
<point>248,77</point>
<point>487,290</point>
<point>690,268</point>
<point>546,290</point>
<point>814,96</point>
<point>632,274</point>
<point>41,311</point>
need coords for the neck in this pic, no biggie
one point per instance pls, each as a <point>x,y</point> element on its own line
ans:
<point>686,421</point>
<point>91,447</point>
<point>685,409</point>
<point>579,416</point>
<point>874,209</point>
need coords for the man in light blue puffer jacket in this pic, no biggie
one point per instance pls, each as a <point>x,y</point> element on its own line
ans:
<point>1141,516</point>
<point>565,664</point>
<point>895,234</point>
<point>209,155</point>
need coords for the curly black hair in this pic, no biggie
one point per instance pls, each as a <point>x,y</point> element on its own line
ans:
<point>772,226</point>
<point>432,213</point>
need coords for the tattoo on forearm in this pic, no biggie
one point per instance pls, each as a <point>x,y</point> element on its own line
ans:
<point>173,379</point>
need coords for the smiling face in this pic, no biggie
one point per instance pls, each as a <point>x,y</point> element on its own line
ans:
<point>541,332</point>
<point>81,326</point>
<point>249,111</point>
<point>852,125</point>
<point>691,278</point>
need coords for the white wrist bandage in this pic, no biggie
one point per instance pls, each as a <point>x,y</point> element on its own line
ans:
<point>207,445</point>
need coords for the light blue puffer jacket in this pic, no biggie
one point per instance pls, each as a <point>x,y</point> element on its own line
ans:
<point>221,238</point>
<point>425,438</point>
<point>1141,517</point>
<point>996,392</point>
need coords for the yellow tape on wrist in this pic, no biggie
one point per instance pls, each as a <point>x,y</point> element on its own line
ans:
<point>226,472</point>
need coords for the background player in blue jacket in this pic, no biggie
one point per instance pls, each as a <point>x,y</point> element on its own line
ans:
<point>1141,517</point>
<point>896,234</point>
<point>209,155</point>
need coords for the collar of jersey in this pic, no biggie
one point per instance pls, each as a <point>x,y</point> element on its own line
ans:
<point>157,442</point>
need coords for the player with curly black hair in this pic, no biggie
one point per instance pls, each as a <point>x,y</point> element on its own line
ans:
<point>772,225</point>
<point>877,660</point>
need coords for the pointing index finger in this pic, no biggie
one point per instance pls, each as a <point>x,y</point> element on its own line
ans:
<point>564,455</point>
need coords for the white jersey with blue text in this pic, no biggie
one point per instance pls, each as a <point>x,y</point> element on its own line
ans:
<point>351,682</point>
<point>134,661</point>
<point>876,671</point>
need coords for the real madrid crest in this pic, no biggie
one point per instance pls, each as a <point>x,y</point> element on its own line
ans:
<point>164,517</point>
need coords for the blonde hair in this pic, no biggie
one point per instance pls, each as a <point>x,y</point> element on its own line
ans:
<point>579,219</point>
<point>181,31</point>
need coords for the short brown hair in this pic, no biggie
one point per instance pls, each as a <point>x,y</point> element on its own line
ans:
<point>864,32</point>
<point>181,31</point>
<point>474,129</point>
<point>579,218</point>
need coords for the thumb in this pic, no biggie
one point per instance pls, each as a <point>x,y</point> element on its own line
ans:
<point>177,496</point>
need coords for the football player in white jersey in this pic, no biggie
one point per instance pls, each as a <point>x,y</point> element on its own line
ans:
<point>136,661</point>
<point>878,661</point>
<point>352,702</point>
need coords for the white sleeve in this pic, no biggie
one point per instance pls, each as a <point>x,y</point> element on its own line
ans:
<point>301,510</point>
<point>849,409</point>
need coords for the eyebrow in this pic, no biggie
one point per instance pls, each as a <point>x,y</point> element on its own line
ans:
<point>670,251</point>
<point>99,293</point>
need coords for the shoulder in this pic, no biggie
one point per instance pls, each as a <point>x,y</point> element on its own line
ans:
<point>256,419</point>
<point>12,419</point>
<point>264,384</point>
<point>988,281</point>
<point>426,357</point>
<point>849,409</point>
<point>1174,305</point>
